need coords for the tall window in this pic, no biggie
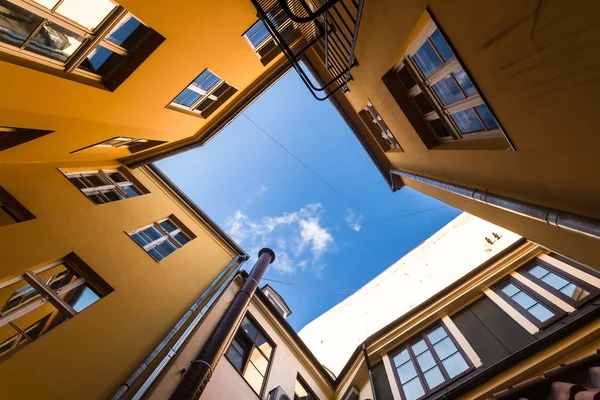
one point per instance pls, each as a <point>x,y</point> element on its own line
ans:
<point>105,186</point>
<point>428,362</point>
<point>11,210</point>
<point>36,302</point>
<point>89,38</point>
<point>379,128</point>
<point>302,390</point>
<point>11,137</point>
<point>203,95</point>
<point>250,353</point>
<point>162,238</point>
<point>531,305</point>
<point>442,92</point>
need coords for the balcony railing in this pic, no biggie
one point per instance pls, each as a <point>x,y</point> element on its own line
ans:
<point>330,29</point>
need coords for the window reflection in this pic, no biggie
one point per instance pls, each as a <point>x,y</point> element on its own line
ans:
<point>88,13</point>
<point>16,23</point>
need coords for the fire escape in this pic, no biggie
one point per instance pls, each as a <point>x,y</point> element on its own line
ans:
<point>330,29</point>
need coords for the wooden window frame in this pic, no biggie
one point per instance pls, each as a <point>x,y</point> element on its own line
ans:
<point>13,208</point>
<point>131,59</point>
<point>305,386</point>
<point>558,312</point>
<point>379,129</point>
<point>593,290</point>
<point>420,374</point>
<point>110,184</point>
<point>170,236</point>
<point>240,331</point>
<point>49,295</point>
<point>11,137</point>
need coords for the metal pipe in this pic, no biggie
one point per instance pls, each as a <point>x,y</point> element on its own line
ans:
<point>364,350</point>
<point>561,219</point>
<point>125,386</point>
<point>201,368</point>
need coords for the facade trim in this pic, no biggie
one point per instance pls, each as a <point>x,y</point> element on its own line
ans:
<point>543,292</point>
<point>462,341</point>
<point>389,371</point>
<point>576,272</point>
<point>514,314</point>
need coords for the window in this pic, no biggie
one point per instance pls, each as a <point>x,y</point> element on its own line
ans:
<point>568,288</point>
<point>260,40</point>
<point>162,238</point>
<point>379,128</point>
<point>105,186</point>
<point>428,362</point>
<point>302,391</point>
<point>204,95</point>
<point>533,307</point>
<point>133,144</point>
<point>11,137</point>
<point>11,210</point>
<point>93,39</point>
<point>441,92</point>
<point>250,353</point>
<point>36,302</point>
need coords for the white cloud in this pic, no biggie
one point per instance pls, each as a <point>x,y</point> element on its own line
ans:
<point>297,238</point>
<point>353,220</point>
<point>258,193</point>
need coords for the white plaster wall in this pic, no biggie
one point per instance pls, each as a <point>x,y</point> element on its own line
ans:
<point>446,256</point>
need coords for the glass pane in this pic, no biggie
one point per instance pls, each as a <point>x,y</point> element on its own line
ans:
<point>155,254</point>
<point>191,98</point>
<point>448,91</point>
<point>235,357</point>
<point>96,199</point>
<point>419,347</point>
<point>17,295</point>
<point>55,42</point>
<point>423,103</point>
<point>97,58</point>
<point>249,328</point>
<point>124,29</point>
<point>16,23</point>
<point>79,183</point>
<point>464,82</point>
<point>541,312</point>
<point>153,233</point>
<point>258,34</point>
<point>440,128</point>
<point>574,291</point>
<point>113,195</point>
<point>204,104</point>
<point>427,59</point>
<point>555,281</point>
<point>406,78</point>
<point>166,248</point>
<point>510,289</point>
<point>486,116</point>
<point>538,271</point>
<point>168,226</point>
<point>524,300</point>
<point>81,297</point>
<point>401,358</point>
<point>131,191</point>
<point>253,377</point>
<point>467,121</point>
<point>263,345</point>
<point>441,45</point>
<point>259,361</point>
<point>95,180</point>
<point>300,391</point>
<point>182,238</point>
<point>433,377</point>
<point>49,4</point>
<point>444,348</point>
<point>87,13</point>
<point>437,335</point>
<point>57,277</point>
<point>406,372</point>
<point>413,389</point>
<point>140,239</point>
<point>455,365</point>
<point>207,81</point>
<point>425,361</point>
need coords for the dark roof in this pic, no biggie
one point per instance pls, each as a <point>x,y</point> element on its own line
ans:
<point>197,209</point>
<point>276,293</point>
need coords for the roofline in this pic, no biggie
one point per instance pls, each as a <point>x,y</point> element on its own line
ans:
<point>279,296</point>
<point>215,227</point>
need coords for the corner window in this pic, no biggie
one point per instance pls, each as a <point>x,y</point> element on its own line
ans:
<point>203,96</point>
<point>428,362</point>
<point>105,186</point>
<point>11,211</point>
<point>40,300</point>
<point>528,303</point>
<point>163,237</point>
<point>250,353</point>
<point>11,137</point>
<point>379,128</point>
<point>93,39</point>
<point>132,144</point>
<point>302,390</point>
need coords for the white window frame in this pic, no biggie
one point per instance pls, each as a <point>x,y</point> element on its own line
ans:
<point>111,185</point>
<point>170,236</point>
<point>384,130</point>
<point>122,141</point>
<point>204,94</point>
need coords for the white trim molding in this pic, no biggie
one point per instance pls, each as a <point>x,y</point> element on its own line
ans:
<point>563,305</point>
<point>462,341</point>
<point>514,314</point>
<point>576,272</point>
<point>389,371</point>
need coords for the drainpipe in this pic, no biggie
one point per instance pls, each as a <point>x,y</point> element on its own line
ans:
<point>561,219</point>
<point>232,270</point>
<point>364,349</point>
<point>201,369</point>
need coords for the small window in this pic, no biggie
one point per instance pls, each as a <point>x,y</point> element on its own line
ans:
<point>11,137</point>
<point>566,287</point>
<point>132,144</point>
<point>429,362</point>
<point>250,353</point>
<point>302,390</point>
<point>105,186</point>
<point>531,305</point>
<point>162,238</point>
<point>379,128</point>
<point>11,211</point>
<point>260,40</point>
<point>203,96</point>
<point>38,301</point>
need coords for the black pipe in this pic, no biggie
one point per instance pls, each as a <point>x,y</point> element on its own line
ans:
<point>364,349</point>
<point>201,369</point>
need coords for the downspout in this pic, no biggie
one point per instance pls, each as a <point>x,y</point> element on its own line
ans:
<point>231,269</point>
<point>364,349</point>
<point>201,368</point>
<point>561,219</point>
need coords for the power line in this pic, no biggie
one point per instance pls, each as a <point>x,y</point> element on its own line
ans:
<point>318,288</point>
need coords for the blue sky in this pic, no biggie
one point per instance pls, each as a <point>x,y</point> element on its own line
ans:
<point>263,197</point>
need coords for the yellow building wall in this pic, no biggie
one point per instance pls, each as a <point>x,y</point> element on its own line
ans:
<point>87,357</point>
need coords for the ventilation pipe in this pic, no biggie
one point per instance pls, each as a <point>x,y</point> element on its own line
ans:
<point>201,369</point>
<point>561,219</point>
